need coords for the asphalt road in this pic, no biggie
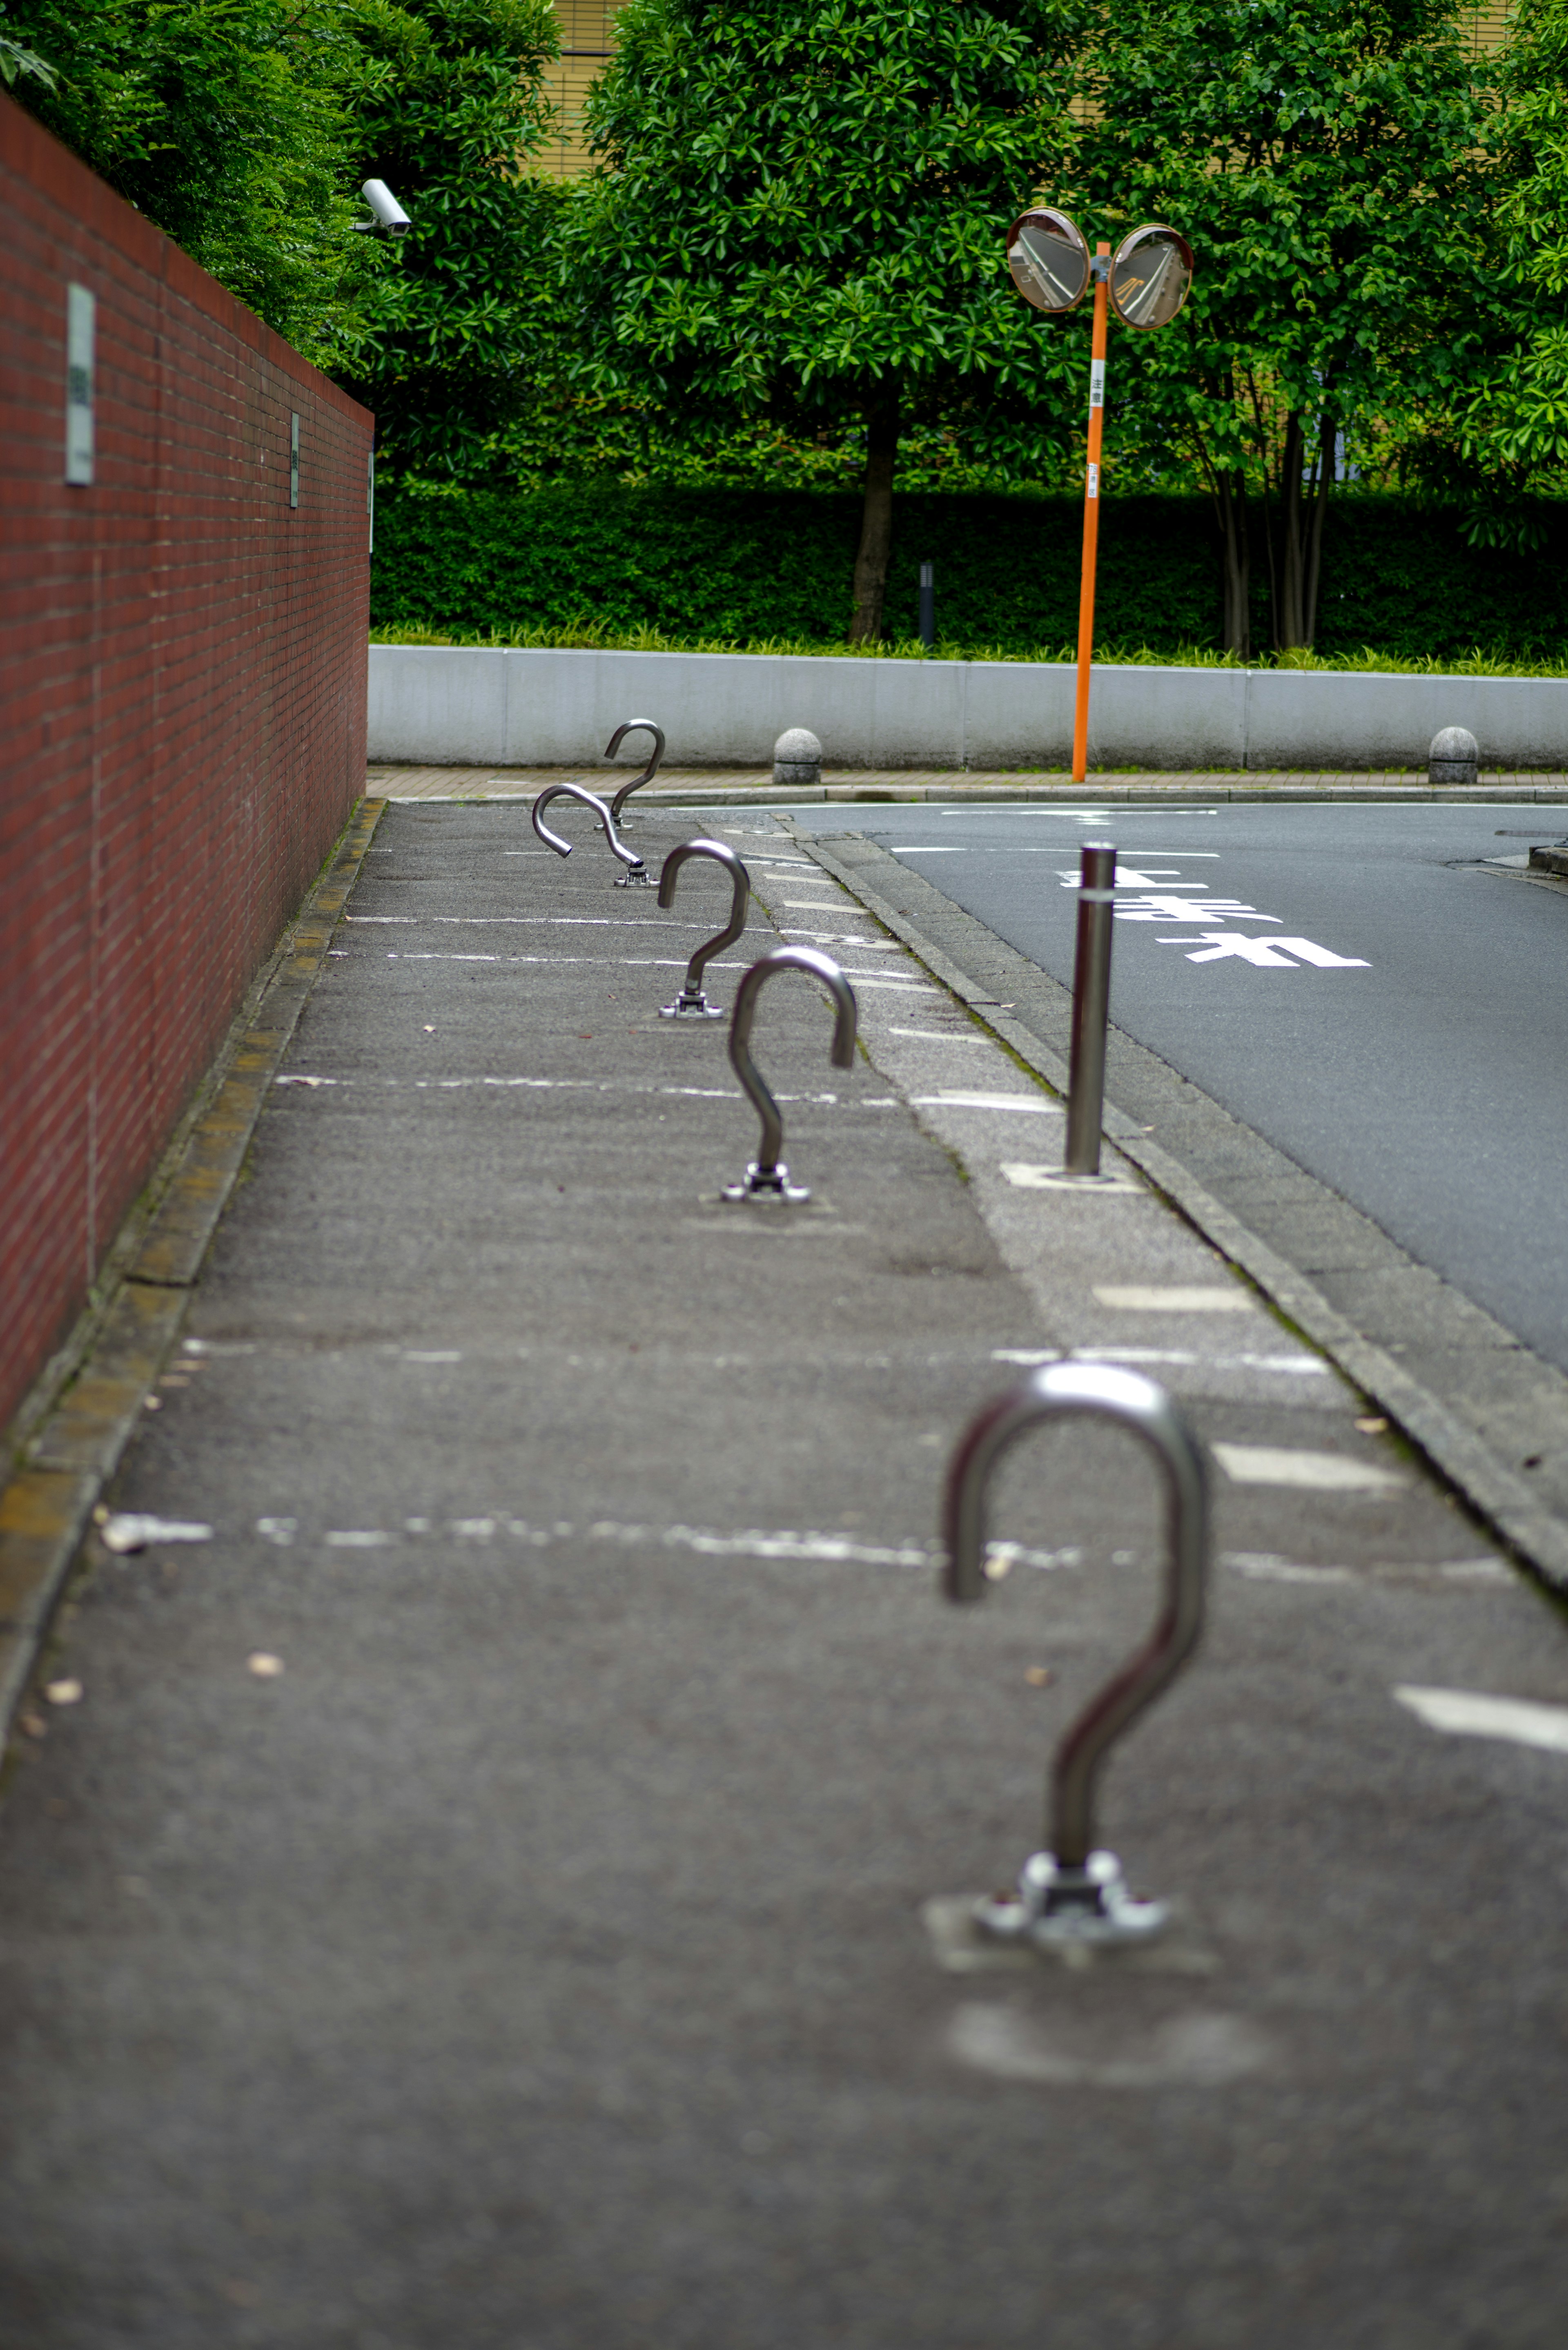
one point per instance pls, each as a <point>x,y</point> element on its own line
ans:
<point>1349,981</point>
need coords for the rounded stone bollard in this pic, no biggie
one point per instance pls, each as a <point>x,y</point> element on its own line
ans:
<point>1452,757</point>
<point>797,759</point>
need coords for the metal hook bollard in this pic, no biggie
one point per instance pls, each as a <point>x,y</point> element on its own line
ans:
<point>613,746</point>
<point>767,1178</point>
<point>692,1003</point>
<point>1071,1892</point>
<point>636,875</point>
<point>1091,1008</point>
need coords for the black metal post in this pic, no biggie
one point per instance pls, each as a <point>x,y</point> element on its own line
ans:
<point>927,605</point>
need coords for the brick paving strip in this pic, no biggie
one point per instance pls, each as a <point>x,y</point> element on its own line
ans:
<point>754,786</point>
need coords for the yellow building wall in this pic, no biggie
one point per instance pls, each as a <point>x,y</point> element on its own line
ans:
<point>587,43</point>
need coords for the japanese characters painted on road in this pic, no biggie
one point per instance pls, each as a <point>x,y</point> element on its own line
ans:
<point>1049,259</point>
<point>1194,903</point>
<point>1150,274</point>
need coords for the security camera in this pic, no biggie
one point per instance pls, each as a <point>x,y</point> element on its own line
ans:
<point>390,214</point>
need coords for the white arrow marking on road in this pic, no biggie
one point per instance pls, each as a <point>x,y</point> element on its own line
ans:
<point>1466,1714</point>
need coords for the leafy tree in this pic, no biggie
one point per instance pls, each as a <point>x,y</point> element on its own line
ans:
<point>454,107</point>
<point>223,120</point>
<point>1511,425</point>
<point>799,217</point>
<point>1326,165</point>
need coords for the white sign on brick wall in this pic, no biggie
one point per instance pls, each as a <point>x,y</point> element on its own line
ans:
<point>80,326</point>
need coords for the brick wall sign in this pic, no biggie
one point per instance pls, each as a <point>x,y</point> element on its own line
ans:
<point>184,577</point>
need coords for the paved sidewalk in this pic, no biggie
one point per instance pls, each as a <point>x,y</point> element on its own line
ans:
<point>753,787</point>
<point>477,1899</point>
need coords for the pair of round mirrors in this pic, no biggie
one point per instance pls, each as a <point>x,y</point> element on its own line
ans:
<point>1150,271</point>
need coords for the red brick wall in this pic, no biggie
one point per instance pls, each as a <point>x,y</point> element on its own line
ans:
<point>182,664</point>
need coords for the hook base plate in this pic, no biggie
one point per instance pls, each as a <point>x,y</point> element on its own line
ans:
<point>767,1183</point>
<point>1055,1905</point>
<point>692,1003</point>
<point>639,878</point>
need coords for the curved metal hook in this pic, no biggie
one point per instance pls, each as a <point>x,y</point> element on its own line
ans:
<point>691,1003</point>
<point>1072,1877</point>
<point>613,746</point>
<point>768,1175</point>
<point>628,857</point>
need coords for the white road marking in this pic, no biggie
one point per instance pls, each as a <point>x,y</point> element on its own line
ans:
<point>875,979</point>
<point>480,921</point>
<point>1019,1102</point>
<point>432,1355</point>
<point>1466,1714</point>
<point>945,848</point>
<point>1296,1366</point>
<point>1159,906</point>
<point>129,1530</point>
<point>1262,1567</point>
<point>1291,1366</point>
<point>1143,1297</point>
<point>756,1542</point>
<point>938,1035</point>
<point>1321,1473</point>
<point>618,963</point>
<point>1190,2051</point>
<point>1266,955</point>
<point>1026,1178</point>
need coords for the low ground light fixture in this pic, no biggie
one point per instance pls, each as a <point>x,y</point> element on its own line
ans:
<point>1145,282</point>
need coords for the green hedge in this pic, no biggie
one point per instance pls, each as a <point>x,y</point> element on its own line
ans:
<point>752,565</point>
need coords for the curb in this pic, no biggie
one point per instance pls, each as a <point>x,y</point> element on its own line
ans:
<point>1492,1490</point>
<point>94,1392</point>
<point>1196,792</point>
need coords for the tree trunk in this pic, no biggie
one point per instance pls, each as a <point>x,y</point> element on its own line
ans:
<point>877,519</point>
<point>1304,496</point>
<point>1290,626</point>
<point>1328,445</point>
<point>1230,497</point>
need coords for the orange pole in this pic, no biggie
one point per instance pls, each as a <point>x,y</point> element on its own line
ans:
<point>1091,518</point>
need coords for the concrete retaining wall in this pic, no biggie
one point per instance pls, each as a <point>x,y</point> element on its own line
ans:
<point>438,706</point>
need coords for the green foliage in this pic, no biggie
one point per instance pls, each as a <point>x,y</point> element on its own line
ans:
<point>222,121</point>
<point>805,197</point>
<point>1327,164</point>
<point>565,436</point>
<point>16,59</point>
<point>799,218</point>
<point>759,566</point>
<point>453,107</point>
<point>1510,424</point>
<point>587,635</point>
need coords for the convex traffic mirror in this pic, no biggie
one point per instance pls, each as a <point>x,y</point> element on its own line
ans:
<point>1150,274</point>
<point>1048,259</point>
